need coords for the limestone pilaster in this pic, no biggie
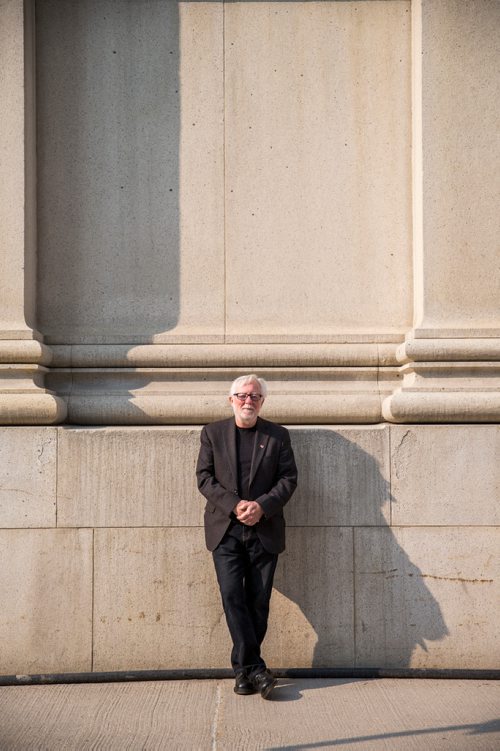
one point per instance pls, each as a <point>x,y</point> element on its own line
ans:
<point>23,398</point>
<point>450,371</point>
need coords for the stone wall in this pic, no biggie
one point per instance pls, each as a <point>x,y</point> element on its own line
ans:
<point>196,189</point>
<point>191,191</point>
<point>391,558</point>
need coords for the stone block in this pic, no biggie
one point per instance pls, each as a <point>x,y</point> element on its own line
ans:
<point>28,477</point>
<point>311,620</point>
<point>146,477</point>
<point>46,595</point>
<point>445,475</point>
<point>344,477</point>
<point>427,597</point>
<point>156,601</point>
<point>318,179</point>
<point>128,477</point>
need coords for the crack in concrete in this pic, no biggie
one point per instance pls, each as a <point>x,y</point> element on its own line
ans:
<point>456,579</point>
<point>398,463</point>
<point>391,574</point>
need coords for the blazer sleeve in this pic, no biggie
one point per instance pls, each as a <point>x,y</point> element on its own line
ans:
<point>273,501</point>
<point>222,498</point>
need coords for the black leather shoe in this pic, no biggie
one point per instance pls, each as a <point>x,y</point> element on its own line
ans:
<point>243,685</point>
<point>264,683</point>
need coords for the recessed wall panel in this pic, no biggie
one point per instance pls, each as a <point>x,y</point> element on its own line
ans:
<point>129,170</point>
<point>461,189</point>
<point>318,198</point>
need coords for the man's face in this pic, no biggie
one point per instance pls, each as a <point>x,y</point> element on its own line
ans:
<point>246,412</point>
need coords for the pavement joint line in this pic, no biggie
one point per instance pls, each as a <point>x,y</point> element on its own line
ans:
<point>215,721</point>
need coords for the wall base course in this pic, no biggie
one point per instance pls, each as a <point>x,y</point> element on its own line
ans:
<point>352,590</point>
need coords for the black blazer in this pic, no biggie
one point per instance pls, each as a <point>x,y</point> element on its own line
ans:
<point>273,479</point>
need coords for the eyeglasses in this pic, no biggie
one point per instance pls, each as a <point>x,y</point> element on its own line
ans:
<point>244,397</point>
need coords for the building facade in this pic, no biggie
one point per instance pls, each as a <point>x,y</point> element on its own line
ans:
<point>195,190</point>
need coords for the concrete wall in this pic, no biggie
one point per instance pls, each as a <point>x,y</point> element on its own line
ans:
<point>391,557</point>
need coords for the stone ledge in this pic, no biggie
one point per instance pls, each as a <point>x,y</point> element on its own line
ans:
<point>446,350</point>
<point>249,355</point>
<point>418,407</point>
<point>145,396</point>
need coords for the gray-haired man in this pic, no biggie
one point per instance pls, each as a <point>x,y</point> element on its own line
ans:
<point>246,470</point>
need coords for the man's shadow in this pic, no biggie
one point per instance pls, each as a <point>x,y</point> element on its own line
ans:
<point>346,593</point>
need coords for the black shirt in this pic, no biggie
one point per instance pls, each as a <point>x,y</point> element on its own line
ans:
<point>245,441</point>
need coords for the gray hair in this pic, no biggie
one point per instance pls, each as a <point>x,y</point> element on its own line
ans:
<point>243,380</point>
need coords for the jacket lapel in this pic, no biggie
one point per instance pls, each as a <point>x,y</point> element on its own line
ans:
<point>230,446</point>
<point>259,449</point>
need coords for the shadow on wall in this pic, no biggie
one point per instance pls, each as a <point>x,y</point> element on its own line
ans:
<point>108,128</point>
<point>361,601</point>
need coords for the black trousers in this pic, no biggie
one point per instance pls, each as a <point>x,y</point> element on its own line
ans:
<point>245,572</point>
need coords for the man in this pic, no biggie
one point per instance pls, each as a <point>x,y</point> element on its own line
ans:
<point>246,471</point>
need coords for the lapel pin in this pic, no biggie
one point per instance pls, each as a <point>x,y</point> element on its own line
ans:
<point>261,446</point>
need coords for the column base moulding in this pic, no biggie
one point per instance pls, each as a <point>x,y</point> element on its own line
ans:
<point>446,392</point>
<point>24,400</point>
<point>20,334</point>
<point>449,350</point>
<point>24,351</point>
<point>148,396</point>
<point>309,384</point>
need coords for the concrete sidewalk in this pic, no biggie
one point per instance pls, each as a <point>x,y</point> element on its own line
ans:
<point>207,715</point>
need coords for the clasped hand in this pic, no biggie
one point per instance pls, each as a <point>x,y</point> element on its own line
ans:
<point>248,512</point>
